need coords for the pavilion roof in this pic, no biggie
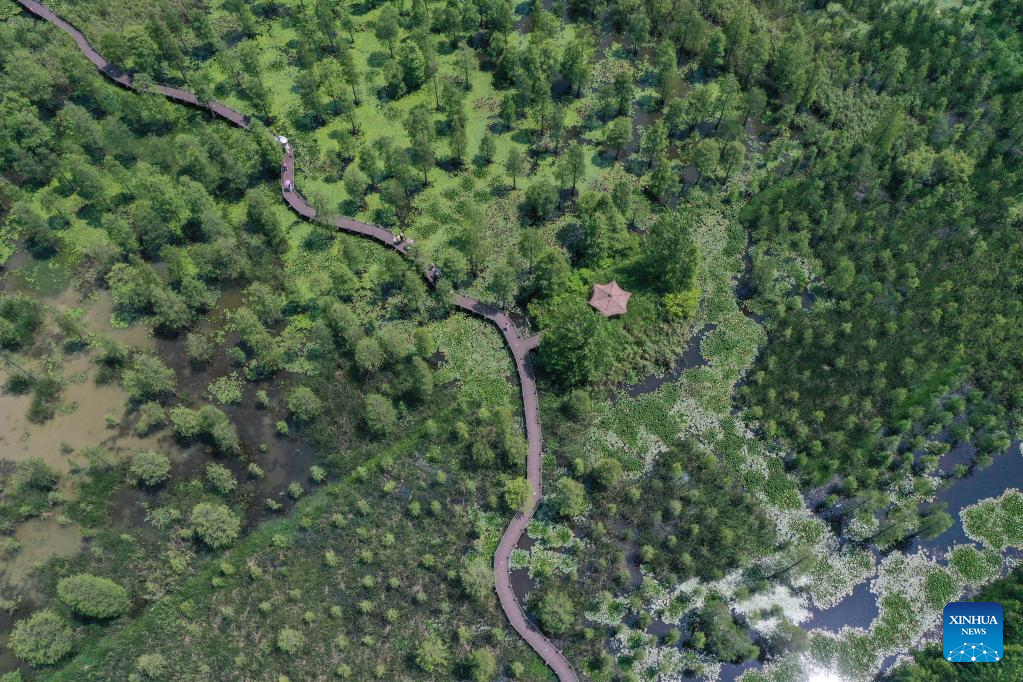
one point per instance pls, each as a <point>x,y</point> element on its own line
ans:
<point>610,299</point>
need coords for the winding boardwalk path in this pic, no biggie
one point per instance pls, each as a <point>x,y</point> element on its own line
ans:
<point>518,345</point>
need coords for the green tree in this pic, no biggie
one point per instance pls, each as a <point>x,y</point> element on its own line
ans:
<point>478,579</point>
<point>147,378</point>
<point>290,641</point>
<point>557,612</point>
<point>43,638</point>
<point>381,418</point>
<point>732,157</point>
<point>541,200</point>
<point>432,654</point>
<point>515,164</point>
<point>303,404</point>
<point>672,256</point>
<point>369,356</point>
<point>150,467</point>
<point>706,156</point>
<point>579,345</point>
<point>569,497</point>
<point>618,134</point>
<point>215,524</point>
<point>482,665</point>
<point>724,637</point>
<point>386,27</point>
<point>504,283</point>
<point>517,494</point>
<point>220,477</point>
<point>93,596</point>
<point>487,148</point>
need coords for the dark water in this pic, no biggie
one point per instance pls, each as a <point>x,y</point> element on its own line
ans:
<point>691,357</point>
<point>1006,471</point>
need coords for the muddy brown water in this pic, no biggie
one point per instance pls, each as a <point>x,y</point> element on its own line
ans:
<point>82,421</point>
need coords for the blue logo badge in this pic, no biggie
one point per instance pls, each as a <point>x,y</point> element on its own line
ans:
<point>971,632</point>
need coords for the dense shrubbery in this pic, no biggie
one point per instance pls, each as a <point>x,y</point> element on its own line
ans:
<point>43,638</point>
<point>150,467</point>
<point>93,596</point>
<point>215,524</point>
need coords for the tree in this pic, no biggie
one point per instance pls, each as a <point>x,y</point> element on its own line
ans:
<point>386,28</point>
<point>706,157</point>
<point>618,134</point>
<point>487,148</point>
<point>147,378</point>
<point>482,665</point>
<point>466,60</point>
<point>221,478</point>
<point>579,345</point>
<point>308,85</point>
<point>621,92</point>
<point>477,578</point>
<point>654,144</point>
<point>755,100</point>
<point>725,639</point>
<point>40,239</point>
<point>569,497</point>
<point>515,164</point>
<point>540,201</point>
<point>672,255</point>
<point>43,638</point>
<point>577,62</point>
<point>457,142</point>
<point>504,283</point>
<point>150,467</point>
<point>93,596</point>
<point>215,524</point>
<point>381,419</point>
<point>557,612</point>
<point>432,654</point>
<point>733,156</point>
<point>517,494</point>
<point>934,522</point>
<point>154,666</point>
<point>369,356</point>
<point>572,164</point>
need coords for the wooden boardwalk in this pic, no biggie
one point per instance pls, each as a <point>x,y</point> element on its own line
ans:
<point>517,344</point>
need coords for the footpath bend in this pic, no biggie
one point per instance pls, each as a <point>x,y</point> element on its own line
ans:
<point>518,345</point>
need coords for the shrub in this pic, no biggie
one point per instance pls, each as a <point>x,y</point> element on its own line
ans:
<point>33,474</point>
<point>152,665</point>
<point>20,317</point>
<point>432,654</point>
<point>151,418</point>
<point>303,404</point>
<point>215,524</point>
<point>150,467</point>
<point>41,639</point>
<point>199,347</point>
<point>147,378</point>
<point>290,641</point>
<point>221,478</point>
<point>381,418</point>
<point>557,612</point>
<point>92,596</point>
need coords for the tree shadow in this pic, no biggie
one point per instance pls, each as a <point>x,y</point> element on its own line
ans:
<point>377,59</point>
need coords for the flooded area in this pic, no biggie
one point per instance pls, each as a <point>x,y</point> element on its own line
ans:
<point>81,421</point>
<point>39,540</point>
<point>97,418</point>
<point>691,357</point>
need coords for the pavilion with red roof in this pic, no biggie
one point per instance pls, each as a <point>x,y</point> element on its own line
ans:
<point>610,299</point>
